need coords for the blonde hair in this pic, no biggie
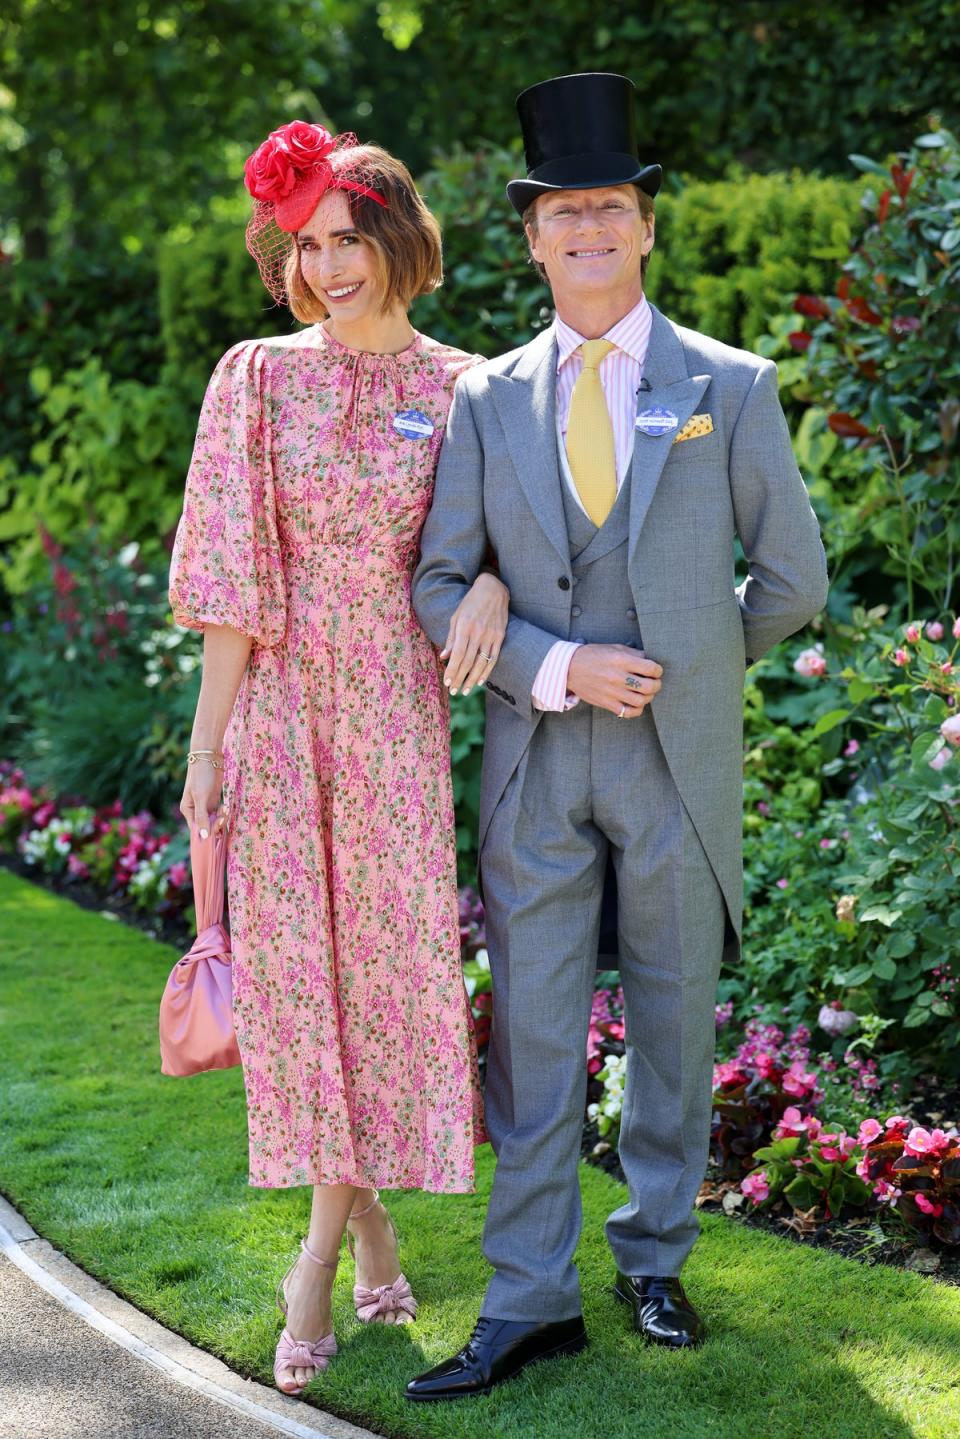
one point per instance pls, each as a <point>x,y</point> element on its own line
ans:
<point>403,235</point>
<point>530,218</point>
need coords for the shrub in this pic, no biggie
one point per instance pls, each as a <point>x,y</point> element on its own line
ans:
<point>882,362</point>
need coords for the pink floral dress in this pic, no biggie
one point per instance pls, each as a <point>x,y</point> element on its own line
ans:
<point>310,481</point>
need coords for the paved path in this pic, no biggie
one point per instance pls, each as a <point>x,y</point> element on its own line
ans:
<point>77,1362</point>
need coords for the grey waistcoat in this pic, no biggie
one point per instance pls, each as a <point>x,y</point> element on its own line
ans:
<point>603,607</point>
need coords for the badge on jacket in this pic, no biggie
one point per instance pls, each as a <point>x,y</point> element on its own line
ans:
<point>656,421</point>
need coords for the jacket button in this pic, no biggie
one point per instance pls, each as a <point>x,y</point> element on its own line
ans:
<point>576,611</point>
<point>563,582</point>
<point>631,614</point>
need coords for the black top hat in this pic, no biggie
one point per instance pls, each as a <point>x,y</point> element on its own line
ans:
<point>579,132</point>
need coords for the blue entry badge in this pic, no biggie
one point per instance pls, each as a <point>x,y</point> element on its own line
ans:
<point>656,421</point>
<point>414,425</point>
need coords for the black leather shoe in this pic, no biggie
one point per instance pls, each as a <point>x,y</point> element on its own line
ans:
<point>497,1350</point>
<point>662,1312</point>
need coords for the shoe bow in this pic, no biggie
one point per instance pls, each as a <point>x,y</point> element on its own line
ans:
<point>385,1299</point>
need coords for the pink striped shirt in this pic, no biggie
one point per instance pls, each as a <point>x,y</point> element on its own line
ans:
<point>620,374</point>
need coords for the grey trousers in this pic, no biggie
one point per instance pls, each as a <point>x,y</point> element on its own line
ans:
<point>589,785</point>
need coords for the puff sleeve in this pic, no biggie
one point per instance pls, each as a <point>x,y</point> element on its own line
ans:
<point>226,565</point>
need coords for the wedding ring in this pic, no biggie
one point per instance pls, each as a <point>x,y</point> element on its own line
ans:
<point>488,658</point>
<point>623,710</point>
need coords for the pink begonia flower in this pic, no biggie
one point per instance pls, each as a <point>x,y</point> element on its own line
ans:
<point>897,1121</point>
<point>869,1081</point>
<point>885,1192</point>
<point>848,1144</point>
<point>950,729</point>
<point>934,630</point>
<point>797,1081</point>
<point>851,748</point>
<point>900,657</point>
<point>941,758</point>
<point>911,634</point>
<point>836,1021</point>
<point>814,1126</point>
<point>810,663</point>
<point>863,1167</point>
<point>831,1154</point>
<point>755,1186</point>
<point>762,807</point>
<point>928,1206</point>
<point>918,1142</point>
<point>782,883</point>
<point>956,629</point>
<point>939,1139</point>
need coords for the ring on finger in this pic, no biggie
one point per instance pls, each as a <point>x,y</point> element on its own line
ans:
<point>623,711</point>
<point>488,658</point>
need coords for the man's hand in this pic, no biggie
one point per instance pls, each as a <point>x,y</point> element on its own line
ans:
<point>614,677</point>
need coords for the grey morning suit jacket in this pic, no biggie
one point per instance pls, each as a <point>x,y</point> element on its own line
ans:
<point>499,480</point>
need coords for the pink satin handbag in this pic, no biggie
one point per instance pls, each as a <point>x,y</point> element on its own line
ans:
<point>196,1011</point>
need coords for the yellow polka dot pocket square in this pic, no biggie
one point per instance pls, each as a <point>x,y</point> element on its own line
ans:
<point>696,426</point>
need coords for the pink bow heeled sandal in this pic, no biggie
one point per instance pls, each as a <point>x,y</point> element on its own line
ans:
<point>301,1353</point>
<point>388,1301</point>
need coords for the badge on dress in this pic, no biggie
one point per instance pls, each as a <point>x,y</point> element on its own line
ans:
<point>414,425</point>
<point>656,421</point>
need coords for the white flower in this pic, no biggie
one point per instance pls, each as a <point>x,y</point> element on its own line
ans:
<point>482,960</point>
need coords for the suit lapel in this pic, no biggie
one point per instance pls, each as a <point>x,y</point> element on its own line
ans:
<point>671,388</point>
<point>526,401</point>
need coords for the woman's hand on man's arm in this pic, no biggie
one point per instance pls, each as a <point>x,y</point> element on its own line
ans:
<point>476,632</point>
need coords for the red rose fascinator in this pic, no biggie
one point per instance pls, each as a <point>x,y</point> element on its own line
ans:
<point>287,176</point>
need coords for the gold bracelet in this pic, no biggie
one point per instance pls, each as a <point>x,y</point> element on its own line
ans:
<point>194,755</point>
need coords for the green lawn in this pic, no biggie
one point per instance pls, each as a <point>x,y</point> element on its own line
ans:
<point>142,1181</point>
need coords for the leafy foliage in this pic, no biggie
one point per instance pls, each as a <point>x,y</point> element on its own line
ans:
<point>883,361</point>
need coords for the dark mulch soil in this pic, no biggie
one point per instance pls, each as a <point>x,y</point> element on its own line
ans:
<point>877,1238</point>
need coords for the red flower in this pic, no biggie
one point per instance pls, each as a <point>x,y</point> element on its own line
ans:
<point>883,209</point>
<point>812,305</point>
<point>800,340</point>
<point>306,144</point>
<point>268,173</point>
<point>847,427</point>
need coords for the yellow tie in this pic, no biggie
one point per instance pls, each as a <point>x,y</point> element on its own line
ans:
<point>590,448</point>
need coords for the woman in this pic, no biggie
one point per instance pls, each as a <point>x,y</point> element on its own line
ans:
<point>311,477</point>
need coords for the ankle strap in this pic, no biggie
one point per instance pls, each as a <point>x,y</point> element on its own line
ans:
<point>359,1213</point>
<point>324,1263</point>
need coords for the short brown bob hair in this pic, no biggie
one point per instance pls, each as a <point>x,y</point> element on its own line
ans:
<point>403,234</point>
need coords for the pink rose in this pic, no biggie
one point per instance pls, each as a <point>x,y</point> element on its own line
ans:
<point>755,1186</point>
<point>782,883</point>
<point>934,630</point>
<point>950,729</point>
<point>810,663</point>
<point>946,668</point>
<point>305,143</point>
<point>901,658</point>
<point>911,634</point>
<point>268,173</point>
<point>851,748</point>
<point>941,758</point>
<point>956,629</point>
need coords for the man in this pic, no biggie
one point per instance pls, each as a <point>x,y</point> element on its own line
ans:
<point>610,480</point>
